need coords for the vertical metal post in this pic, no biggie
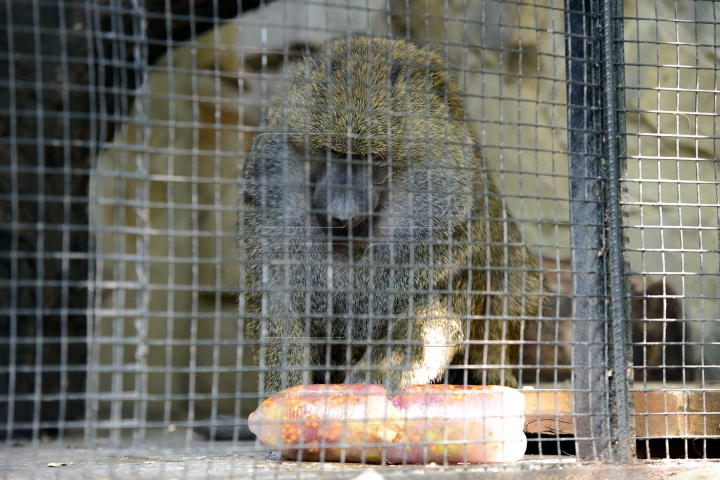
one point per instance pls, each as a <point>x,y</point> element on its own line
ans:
<point>585,144</point>
<point>613,83</point>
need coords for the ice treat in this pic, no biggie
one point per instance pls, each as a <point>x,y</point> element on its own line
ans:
<point>342,420</point>
<point>425,423</point>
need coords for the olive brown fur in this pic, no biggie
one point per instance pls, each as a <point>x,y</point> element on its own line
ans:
<point>375,248</point>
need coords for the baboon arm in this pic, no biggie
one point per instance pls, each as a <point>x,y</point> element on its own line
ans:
<point>283,354</point>
<point>419,351</point>
<point>282,346</point>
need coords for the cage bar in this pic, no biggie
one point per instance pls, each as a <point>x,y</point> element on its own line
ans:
<point>585,135</point>
<point>621,401</point>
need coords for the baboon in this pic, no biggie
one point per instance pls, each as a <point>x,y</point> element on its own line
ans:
<point>374,246</point>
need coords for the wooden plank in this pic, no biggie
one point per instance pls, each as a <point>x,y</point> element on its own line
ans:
<point>548,412</point>
<point>677,413</point>
<point>687,413</point>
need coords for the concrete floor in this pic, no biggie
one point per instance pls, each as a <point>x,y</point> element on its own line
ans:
<point>184,456</point>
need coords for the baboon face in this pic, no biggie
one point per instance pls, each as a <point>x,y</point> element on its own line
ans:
<point>348,194</point>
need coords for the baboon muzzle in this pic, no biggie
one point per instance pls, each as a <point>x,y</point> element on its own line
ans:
<point>344,199</point>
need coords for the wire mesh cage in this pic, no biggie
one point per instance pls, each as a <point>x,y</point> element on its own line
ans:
<point>672,140</point>
<point>208,205</point>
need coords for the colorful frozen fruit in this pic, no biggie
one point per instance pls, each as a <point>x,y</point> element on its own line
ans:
<point>425,423</point>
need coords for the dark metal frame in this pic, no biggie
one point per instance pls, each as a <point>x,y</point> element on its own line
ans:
<point>601,356</point>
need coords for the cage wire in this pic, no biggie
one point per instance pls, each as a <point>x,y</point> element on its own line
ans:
<point>671,95</point>
<point>208,202</point>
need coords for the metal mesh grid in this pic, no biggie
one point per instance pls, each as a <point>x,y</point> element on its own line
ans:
<point>208,238</point>
<point>672,138</point>
<point>121,266</point>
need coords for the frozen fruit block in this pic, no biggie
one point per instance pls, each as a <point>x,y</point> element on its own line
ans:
<point>428,423</point>
<point>342,420</point>
<point>453,424</point>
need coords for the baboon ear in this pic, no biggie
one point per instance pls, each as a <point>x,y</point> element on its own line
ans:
<point>442,82</point>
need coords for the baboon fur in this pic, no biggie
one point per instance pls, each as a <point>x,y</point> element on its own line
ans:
<point>371,133</point>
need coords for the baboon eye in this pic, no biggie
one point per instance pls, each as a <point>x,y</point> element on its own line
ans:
<point>374,158</point>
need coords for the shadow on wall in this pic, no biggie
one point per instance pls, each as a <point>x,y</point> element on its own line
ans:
<point>658,331</point>
<point>44,243</point>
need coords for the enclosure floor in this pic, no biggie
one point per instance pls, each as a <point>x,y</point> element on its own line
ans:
<point>246,460</point>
